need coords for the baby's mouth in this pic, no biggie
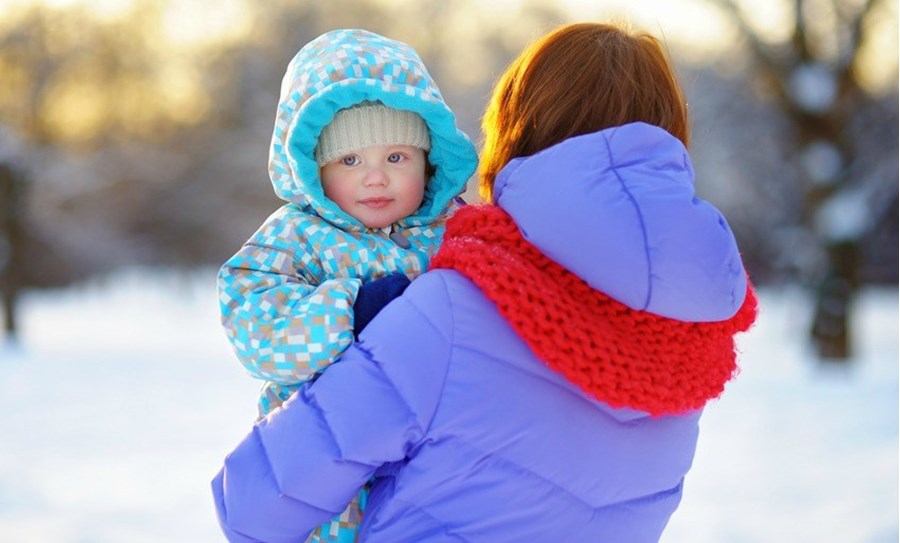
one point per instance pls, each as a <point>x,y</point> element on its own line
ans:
<point>375,202</point>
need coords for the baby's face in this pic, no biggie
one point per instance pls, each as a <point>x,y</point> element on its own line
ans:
<point>377,185</point>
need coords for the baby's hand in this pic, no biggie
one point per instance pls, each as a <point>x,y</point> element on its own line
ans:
<point>373,296</point>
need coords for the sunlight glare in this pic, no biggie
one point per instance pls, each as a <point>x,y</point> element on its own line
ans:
<point>205,22</point>
<point>692,27</point>
<point>76,111</point>
<point>102,10</point>
<point>181,91</point>
<point>878,61</point>
<point>773,21</point>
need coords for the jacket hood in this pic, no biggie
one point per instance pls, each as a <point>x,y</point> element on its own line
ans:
<point>345,67</point>
<point>617,208</point>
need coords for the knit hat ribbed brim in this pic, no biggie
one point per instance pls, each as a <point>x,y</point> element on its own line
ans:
<point>370,124</point>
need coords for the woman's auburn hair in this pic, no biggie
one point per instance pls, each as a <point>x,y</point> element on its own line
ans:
<point>576,80</point>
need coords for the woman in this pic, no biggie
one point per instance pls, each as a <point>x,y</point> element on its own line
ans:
<point>544,380</point>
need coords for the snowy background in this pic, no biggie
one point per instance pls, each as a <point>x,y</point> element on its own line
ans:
<point>122,397</point>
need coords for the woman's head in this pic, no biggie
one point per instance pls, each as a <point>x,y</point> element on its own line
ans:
<point>578,79</point>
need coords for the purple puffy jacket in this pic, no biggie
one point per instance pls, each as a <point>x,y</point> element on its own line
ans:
<point>469,436</point>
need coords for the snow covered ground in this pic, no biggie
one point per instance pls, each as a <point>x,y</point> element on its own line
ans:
<point>122,397</point>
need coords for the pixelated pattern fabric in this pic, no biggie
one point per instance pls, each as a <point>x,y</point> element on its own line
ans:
<point>286,298</point>
<point>273,395</point>
<point>344,527</point>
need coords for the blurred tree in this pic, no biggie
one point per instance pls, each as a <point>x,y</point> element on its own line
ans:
<point>840,184</point>
<point>149,129</point>
<point>149,132</point>
<point>124,130</point>
<point>13,186</point>
<point>77,82</point>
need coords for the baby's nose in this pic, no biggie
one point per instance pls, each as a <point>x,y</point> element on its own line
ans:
<point>376,176</point>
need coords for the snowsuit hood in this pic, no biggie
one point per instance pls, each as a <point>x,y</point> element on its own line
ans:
<point>345,67</point>
<point>618,209</point>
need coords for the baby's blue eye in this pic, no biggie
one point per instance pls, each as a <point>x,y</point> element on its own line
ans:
<point>395,157</point>
<point>350,160</point>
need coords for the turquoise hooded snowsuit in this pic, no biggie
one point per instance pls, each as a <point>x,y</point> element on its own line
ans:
<point>286,297</point>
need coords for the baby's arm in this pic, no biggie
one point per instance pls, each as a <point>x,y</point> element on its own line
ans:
<point>284,327</point>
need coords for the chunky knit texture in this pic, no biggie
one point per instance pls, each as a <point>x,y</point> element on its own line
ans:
<point>622,356</point>
<point>367,125</point>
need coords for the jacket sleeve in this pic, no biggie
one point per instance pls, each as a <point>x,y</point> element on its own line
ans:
<point>302,464</point>
<point>283,324</point>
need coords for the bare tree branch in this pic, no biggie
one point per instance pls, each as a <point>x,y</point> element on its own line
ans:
<point>800,37</point>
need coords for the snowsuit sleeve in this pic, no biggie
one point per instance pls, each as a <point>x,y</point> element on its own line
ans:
<point>284,321</point>
<point>303,463</point>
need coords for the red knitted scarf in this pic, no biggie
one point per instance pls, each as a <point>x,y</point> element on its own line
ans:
<point>621,356</point>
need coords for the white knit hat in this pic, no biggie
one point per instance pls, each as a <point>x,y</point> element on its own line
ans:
<point>368,124</point>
